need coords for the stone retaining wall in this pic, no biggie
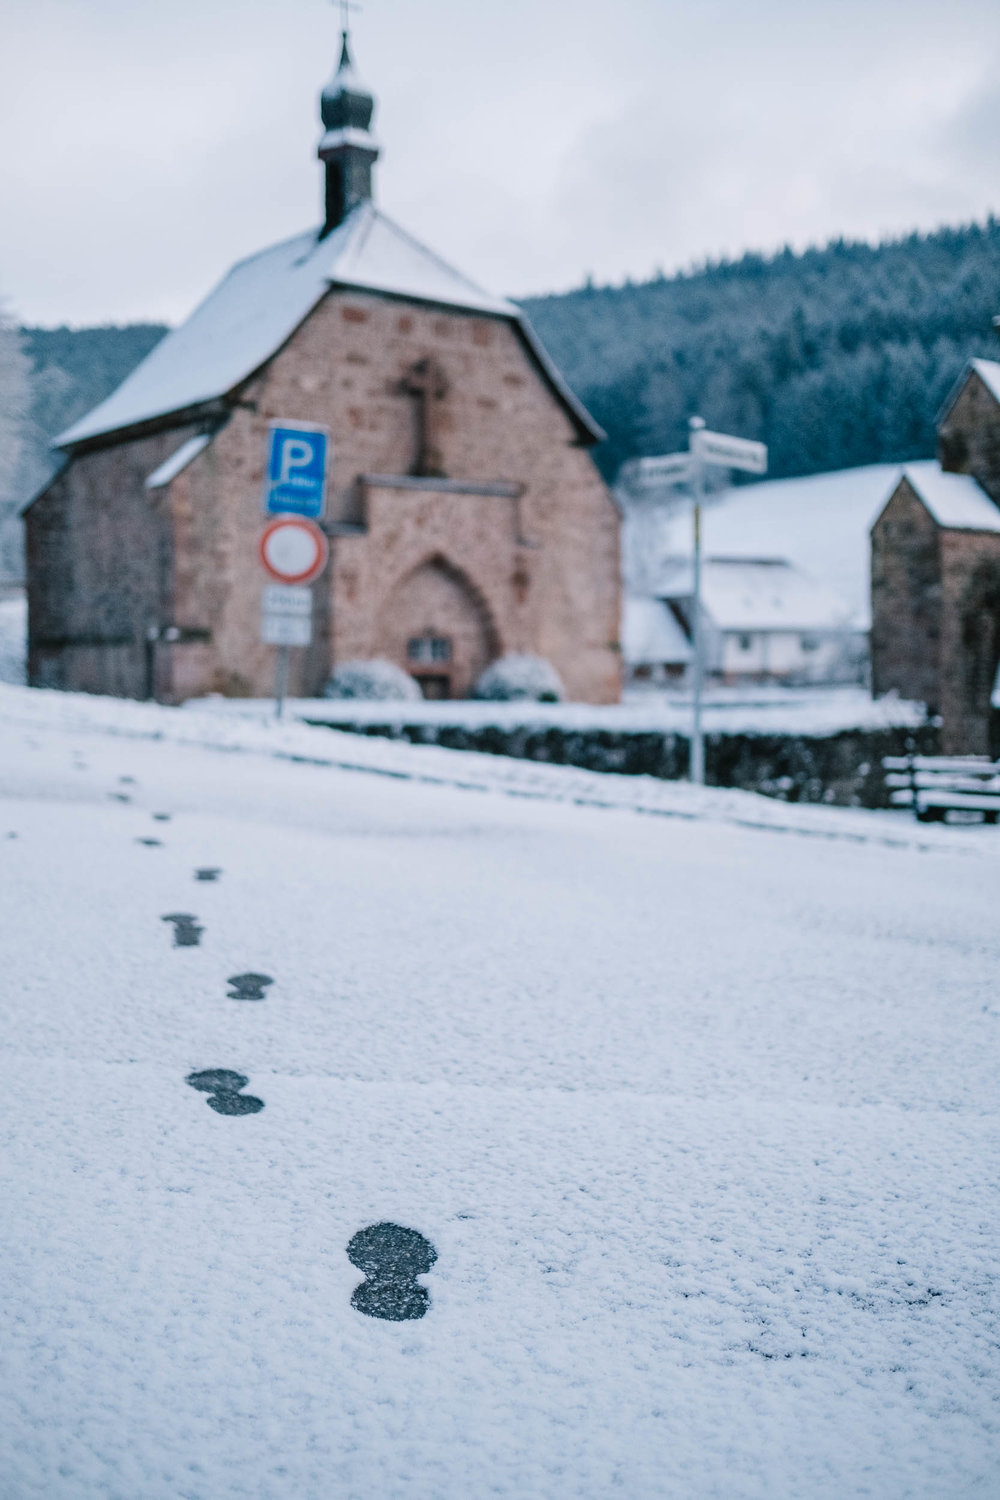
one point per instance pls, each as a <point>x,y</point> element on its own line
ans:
<point>843,769</point>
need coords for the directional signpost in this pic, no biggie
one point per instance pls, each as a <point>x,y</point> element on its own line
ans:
<point>652,477</point>
<point>728,453</point>
<point>645,473</point>
<point>293,552</point>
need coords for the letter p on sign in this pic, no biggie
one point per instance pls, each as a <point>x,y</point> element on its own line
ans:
<point>296,472</point>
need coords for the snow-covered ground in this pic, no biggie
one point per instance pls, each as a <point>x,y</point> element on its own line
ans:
<point>698,1115</point>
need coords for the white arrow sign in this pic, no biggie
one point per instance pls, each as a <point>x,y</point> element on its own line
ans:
<point>643,471</point>
<point>729,452</point>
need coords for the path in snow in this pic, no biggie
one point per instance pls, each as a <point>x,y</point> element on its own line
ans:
<point>698,1120</point>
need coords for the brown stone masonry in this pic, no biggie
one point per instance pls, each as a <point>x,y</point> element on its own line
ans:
<point>514,549</point>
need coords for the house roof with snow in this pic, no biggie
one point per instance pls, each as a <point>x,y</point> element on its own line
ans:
<point>760,594</point>
<point>651,634</point>
<point>957,502</point>
<point>259,305</point>
<point>820,524</point>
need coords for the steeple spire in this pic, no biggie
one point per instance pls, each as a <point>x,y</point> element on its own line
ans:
<point>348,148</point>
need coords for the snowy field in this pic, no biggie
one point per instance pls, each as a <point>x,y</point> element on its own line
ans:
<point>694,1117</point>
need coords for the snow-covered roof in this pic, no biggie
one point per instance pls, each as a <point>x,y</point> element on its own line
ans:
<point>261,302</point>
<point>651,634</point>
<point>956,501</point>
<point>988,371</point>
<point>178,461</point>
<point>753,594</point>
<point>820,524</point>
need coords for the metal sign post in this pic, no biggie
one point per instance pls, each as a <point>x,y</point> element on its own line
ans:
<point>696,769</point>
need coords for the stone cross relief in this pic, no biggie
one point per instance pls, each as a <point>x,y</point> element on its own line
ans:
<point>427,382</point>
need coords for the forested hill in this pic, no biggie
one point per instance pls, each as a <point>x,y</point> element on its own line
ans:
<point>834,357</point>
<point>72,369</point>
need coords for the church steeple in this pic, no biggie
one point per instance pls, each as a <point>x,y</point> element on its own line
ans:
<point>348,148</point>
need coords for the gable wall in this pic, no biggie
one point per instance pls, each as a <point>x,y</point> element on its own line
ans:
<point>549,562</point>
<point>906,600</point>
<point>970,638</point>
<point>969,436</point>
<point>100,558</point>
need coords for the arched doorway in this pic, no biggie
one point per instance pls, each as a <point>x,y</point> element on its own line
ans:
<point>436,626</point>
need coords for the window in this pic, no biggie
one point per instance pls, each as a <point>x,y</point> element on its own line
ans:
<point>428,648</point>
<point>809,643</point>
<point>746,641</point>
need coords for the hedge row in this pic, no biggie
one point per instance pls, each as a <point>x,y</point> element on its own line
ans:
<point>843,769</point>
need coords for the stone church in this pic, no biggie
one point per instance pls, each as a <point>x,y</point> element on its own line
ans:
<point>936,570</point>
<point>465,516</point>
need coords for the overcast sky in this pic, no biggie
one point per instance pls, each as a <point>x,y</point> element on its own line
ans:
<point>145,146</point>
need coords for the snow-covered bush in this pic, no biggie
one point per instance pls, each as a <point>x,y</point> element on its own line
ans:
<point>521,678</point>
<point>375,680</point>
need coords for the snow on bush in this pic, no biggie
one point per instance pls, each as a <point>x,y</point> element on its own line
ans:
<point>376,679</point>
<point>517,678</point>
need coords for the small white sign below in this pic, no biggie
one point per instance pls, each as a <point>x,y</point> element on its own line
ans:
<point>286,630</point>
<point>287,599</point>
<point>286,615</point>
<point>729,452</point>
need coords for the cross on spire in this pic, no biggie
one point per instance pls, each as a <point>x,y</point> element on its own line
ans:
<point>346,6</point>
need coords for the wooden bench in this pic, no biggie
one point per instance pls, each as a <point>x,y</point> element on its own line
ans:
<point>934,785</point>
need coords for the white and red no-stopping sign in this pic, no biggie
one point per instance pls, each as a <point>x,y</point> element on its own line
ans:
<point>293,550</point>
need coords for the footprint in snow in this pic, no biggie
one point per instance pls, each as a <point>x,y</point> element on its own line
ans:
<point>391,1258</point>
<point>151,843</point>
<point>161,817</point>
<point>187,933</point>
<point>223,1089</point>
<point>249,986</point>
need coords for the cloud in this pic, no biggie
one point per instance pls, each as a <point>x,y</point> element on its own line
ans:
<point>148,147</point>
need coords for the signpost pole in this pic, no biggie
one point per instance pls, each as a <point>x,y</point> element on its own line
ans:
<point>280,680</point>
<point>696,771</point>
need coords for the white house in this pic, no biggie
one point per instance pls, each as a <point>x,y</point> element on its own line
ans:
<point>786,584</point>
<point>764,620</point>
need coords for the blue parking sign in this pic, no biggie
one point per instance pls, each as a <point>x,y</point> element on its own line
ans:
<point>296,472</point>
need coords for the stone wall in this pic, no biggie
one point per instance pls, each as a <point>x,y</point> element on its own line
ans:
<point>906,601</point>
<point>842,769</point>
<point>969,436</point>
<point>970,638</point>
<point>100,572</point>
